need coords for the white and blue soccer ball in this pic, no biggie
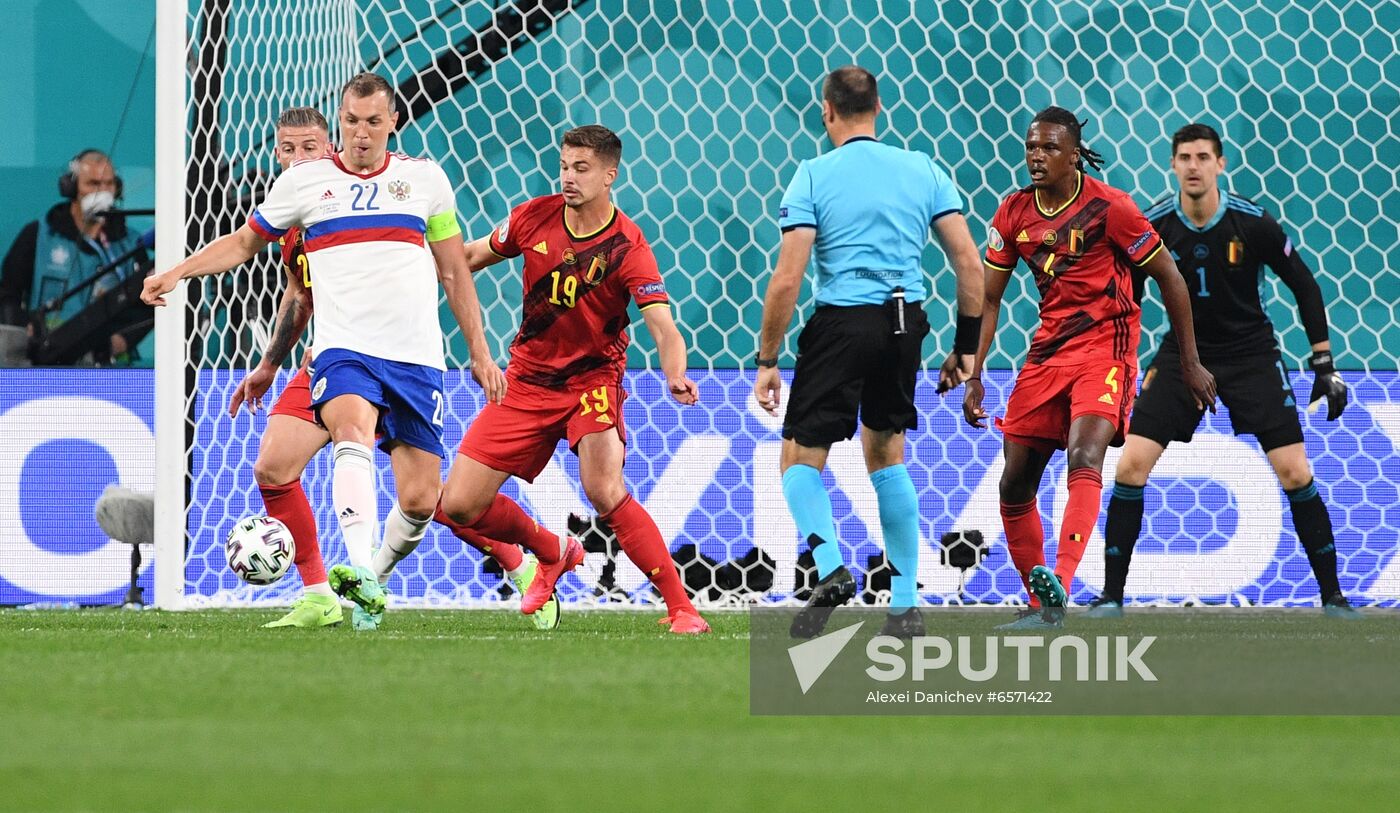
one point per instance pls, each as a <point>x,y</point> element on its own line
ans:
<point>260,549</point>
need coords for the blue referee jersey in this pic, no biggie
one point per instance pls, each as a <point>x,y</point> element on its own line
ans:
<point>872,206</point>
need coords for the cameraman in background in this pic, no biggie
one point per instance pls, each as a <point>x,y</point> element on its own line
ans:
<point>68,245</point>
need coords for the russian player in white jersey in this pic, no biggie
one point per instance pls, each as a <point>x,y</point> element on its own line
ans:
<point>381,231</point>
<point>292,436</point>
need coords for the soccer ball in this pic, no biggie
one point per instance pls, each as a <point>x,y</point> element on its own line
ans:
<point>260,549</point>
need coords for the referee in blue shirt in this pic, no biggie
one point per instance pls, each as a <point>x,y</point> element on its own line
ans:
<point>866,209</point>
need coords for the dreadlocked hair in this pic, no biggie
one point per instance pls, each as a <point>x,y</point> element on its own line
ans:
<point>1071,122</point>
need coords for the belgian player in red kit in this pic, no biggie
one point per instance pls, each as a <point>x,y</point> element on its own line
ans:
<point>292,437</point>
<point>1082,239</point>
<point>584,262</point>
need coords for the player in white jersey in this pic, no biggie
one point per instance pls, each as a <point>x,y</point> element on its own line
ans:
<point>292,436</point>
<point>381,230</point>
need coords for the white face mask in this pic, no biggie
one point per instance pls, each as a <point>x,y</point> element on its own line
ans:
<point>94,203</point>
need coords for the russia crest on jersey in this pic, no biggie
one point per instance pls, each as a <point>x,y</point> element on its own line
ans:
<point>367,235</point>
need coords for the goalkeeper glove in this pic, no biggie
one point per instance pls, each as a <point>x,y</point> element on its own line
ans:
<point>1327,384</point>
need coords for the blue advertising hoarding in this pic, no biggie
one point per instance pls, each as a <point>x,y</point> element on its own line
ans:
<point>1217,526</point>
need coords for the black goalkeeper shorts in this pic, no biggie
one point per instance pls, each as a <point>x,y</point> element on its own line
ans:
<point>1255,389</point>
<point>849,362</point>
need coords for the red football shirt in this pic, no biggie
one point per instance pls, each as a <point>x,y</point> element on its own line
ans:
<point>293,247</point>
<point>1082,255</point>
<point>294,257</point>
<point>573,325</point>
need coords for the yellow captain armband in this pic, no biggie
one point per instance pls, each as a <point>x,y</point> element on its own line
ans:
<point>442,226</point>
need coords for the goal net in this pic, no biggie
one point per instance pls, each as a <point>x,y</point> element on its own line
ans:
<point>716,104</point>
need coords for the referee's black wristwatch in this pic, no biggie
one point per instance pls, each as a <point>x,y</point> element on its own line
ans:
<point>760,361</point>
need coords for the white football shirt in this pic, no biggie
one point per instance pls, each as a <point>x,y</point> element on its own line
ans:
<point>366,240</point>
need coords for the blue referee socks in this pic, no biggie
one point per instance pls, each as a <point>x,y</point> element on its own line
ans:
<point>811,508</point>
<point>899,519</point>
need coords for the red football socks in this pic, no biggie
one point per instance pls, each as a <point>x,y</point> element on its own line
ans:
<point>506,520</point>
<point>1025,538</point>
<point>508,555</point>
<point>641,540</point>
<point>1081,514</point>
<point>288,504</point>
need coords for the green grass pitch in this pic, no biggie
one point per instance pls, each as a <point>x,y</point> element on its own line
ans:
<point>109,710</point>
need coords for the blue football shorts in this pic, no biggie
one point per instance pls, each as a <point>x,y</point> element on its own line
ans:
<point>409,396</point>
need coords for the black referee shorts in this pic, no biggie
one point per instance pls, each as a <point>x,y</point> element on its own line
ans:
<point>849,361</point>
<point>1254,388</point>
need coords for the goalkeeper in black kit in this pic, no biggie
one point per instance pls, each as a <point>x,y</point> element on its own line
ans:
<point>1221,242</point>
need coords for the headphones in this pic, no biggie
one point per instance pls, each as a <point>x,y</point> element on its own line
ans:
<point>68,181</point>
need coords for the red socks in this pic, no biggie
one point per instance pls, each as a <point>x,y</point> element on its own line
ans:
<point>508,555</point>
<point>506,520</point>
<point>641,540</point>
<point>288,504</point>
<point>1081,514</point>
<point>1025,538</point>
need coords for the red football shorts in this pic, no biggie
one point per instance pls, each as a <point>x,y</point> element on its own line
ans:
<point>295,399</point>
<point>1047,399</point>
<point>518,436</point>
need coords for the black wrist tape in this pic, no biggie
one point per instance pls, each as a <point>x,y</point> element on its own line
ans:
<point>968,334</point>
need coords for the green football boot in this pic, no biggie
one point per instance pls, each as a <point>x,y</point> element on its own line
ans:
<point>1050,618</point>
<point>310,611</point>
<point>360,586</point>
<point>365,621</point>
<point>546,617</point>
<point>1046,586</point>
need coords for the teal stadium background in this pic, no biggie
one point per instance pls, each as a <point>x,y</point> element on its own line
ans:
<point>69,66</point>
<point>716,109</point>
<point>710,121</point>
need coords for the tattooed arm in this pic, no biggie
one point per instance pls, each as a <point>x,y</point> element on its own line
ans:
<point>293,314</point>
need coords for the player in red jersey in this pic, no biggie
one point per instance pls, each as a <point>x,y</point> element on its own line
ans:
<point>293,437</point>
<point>1082,239</point>
<point>584,261</point>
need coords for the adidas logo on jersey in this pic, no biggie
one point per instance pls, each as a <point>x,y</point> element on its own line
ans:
<point>541,247</point>
<point>348,513</point>
<point>1023,237</point>
<point>1106,399</point>
<point>327,195</point>
<point>604,419</point>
